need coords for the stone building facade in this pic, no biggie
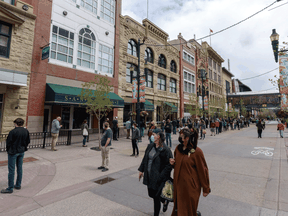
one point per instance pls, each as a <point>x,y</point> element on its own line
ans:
<point>227,82</point>
<point>162,80</point>
<point>17,23</point>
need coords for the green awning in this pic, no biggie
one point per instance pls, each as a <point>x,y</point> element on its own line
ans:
<point>65,95</point>
<point>148,106</point>
<point>173,107</point>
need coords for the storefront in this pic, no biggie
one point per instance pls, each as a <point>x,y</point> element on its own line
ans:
<point>64,101</point>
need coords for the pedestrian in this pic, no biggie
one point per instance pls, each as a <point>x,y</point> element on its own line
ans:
<point>220,125</point>
<point>259,128</point>
<point>115,128</point>
<point>174,123</point>
<point>202,129</point>
<point>190,124</point>
<point>55,132</point>
<point>212,128</point>
<point>263,122</point>
<point>128,127</point>
<point>180,127</point>
<point>281,127</point>
<point>206,122</point>
<point>142,127</point>
<point>16,144</point>
<point>85,132</point>
<point>178,123</point>
<point>156,168</point>
<point>135,137</point>
<point>105,147</point>
<point>183,121</point>
<point>217,126</point>
<point>150,130</point>
<point>168,130</point>
<point>163,125</point>
<point>191,175</point>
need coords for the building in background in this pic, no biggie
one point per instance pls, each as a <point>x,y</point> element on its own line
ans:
<point>162,66</point>
<point>17,23</point>
<point>84,40</point>
<point>238,86</point>
<point>227,85</point>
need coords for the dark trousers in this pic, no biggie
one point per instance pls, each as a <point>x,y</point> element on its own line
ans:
<point>135,146</point>
<point>260,133</point>
<point>157,203</point>
<point>174,130</point>
<point>16,159</point>
<point>115,131</point>
<point>84,139</point>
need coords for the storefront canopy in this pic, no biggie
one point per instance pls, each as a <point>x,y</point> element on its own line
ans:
<point>65,95</point>
<point>148,106</point>
<point>173,107</point>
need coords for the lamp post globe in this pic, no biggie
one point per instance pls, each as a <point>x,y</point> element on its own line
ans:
<point>275,41</point>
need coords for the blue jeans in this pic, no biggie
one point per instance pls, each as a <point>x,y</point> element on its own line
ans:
<point>84,139</point>
<point>174,130</point>
<point>217,130</point>
<point>142,131</point>
<point>16,159</point>
<point>168,137</point>
<point>162,129</point>
<point>235,126</point>
<point>281,133</point>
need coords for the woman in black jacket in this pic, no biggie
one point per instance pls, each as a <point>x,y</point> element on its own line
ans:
<point>156,167</point>
<point>259,128</point>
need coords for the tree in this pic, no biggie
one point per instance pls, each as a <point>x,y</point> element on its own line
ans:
<point>243,108</point>
<point>165,110</point>
<point>194,109</point>
<point>96,97</point>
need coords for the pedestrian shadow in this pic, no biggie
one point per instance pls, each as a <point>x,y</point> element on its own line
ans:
<point>93,168</point>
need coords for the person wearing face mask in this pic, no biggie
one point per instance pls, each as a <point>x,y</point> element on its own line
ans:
<point>135,137</point>
<point>155,168</point>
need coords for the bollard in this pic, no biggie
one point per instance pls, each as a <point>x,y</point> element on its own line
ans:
<point>69,137</point>
<point>44,140</point>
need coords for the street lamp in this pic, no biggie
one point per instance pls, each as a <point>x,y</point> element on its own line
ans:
<point>275,42</point>
<point>203,75</point>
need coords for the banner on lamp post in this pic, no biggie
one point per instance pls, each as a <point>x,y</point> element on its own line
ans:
<point>283,70</point>
<point>135,90</point>
<point>230,107</point>
<point>205,103</point>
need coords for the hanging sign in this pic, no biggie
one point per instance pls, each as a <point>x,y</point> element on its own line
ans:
<point>45,52</point>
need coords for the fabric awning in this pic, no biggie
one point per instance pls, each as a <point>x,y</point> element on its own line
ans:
<point>65,95</point>
<point>148,106</point>
<point>173,107</point>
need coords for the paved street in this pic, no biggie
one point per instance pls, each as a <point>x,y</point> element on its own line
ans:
<point>63,182</point>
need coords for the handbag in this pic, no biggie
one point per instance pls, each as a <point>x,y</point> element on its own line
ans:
<point>85,132</point>
<point>167,191</point>
<point>204,131</point>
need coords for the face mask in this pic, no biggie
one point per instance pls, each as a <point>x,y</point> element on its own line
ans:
<point>103,127</point>
<point>152,138</point>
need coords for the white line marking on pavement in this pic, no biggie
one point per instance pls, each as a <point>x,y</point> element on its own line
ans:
<point>263,150</point>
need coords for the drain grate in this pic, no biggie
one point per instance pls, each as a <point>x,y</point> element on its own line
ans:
<point>25,160</point>
<point>104,180</point>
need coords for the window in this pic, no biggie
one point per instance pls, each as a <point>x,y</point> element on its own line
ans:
<point>90,5</point>
<point>162,61</point>
<point>173,66</point>
<point>210,62</point>
<point>219,79</point>
<point>218,68</point>
<point>86,49</point>
<point>210,74</point>
<point>149,79</point>
<point>149,55</point>
<point>173,86</point>
<point>189,58</point>
<point>214,65</point>
<point>108,10</point>
<point>12,2</point>
<point>161,83</point>
<point>105,60</point>
<point>227,86</point>
<point>62,45</point>
<point>215,76</point>
<point>129,74</point>
<point>189,82</point>
<point>5,38</point>
<point>132,48</point>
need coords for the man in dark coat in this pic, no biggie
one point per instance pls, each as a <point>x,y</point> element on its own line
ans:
<point>115,128</point>
<point>183,121</point>
<point>16,144</point>
<point>178,122</point>
<point>174,123</point>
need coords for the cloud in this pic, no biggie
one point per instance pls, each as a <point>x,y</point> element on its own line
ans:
<point>247,45</point>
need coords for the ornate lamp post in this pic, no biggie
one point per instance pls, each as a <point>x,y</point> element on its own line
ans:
<point>275,42</point>
<point>203,75</point>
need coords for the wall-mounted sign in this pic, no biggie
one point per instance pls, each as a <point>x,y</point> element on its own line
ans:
<point>45,52</point>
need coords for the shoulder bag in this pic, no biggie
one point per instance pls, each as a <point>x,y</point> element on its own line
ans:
<point>85,132</point>
<point>167,191</point>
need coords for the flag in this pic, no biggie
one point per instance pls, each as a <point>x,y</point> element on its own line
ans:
<point>211,31</point>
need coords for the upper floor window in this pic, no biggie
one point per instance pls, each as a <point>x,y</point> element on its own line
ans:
<point>86,48</point>
<point>219,79</point>
<point>130,74</point>
<point>214,65</point>
<point>108,10</point>
<point>90,5</point>
<point>215,76</point>
<point>189,82</point>
<point>173,66</point>
<point>62,45</point>
<point>105,60</point>
<point>132,48</point>
<point>12,2</point>
<point>149,79</point>
<point>161,82</point>
<point>162,61</point>
<point>210,74</point>
<point>218,68</point>
<point>210,61</point>
<point>149,55</point>
<point>5,38</point>
<point>189,58</point>
<point>173,85</point>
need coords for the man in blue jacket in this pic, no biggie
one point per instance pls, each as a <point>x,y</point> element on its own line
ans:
<point>55,132</point>
<point>16,144</point>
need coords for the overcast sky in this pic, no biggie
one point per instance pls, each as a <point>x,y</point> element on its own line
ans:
<point>247,45</point>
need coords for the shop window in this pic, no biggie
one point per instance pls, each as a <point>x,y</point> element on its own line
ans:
<point>149,55</point>
<point>132,48</point>
<point>161,83</point>
<point>105,60</point>
<point>108,10</point>
<point>149,79</point>
<point>65,117</point>
<point>62,46</point>
<point>129,74</point>
<point>5,39</point>
<point>90,5</point>
<point>79,116</point>
<point>86,48</point>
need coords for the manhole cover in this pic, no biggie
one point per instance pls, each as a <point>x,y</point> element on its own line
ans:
<point>104,180</point>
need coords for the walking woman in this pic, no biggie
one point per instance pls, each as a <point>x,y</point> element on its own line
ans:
<point>156,167</point>
<point>212,128</point>
<point>85,132</point>
<point>202,129</point>
<point>190,175</point>
<point>281,127</point>
<point>259,126</point>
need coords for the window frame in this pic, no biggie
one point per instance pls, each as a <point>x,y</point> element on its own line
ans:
<point>186,57</point>
<point>100,59</point>
<point>173,63</point>
<point>164,65</point>
<point>9,38</point>
<point>130,73</point>
<point>189,82</point>
<point>12,2</point>
<point>151,57</point>
<point>133,46</point>
<point>160,84</point>
<point>146,78</point>
<point>93,7</point>
<point>102,11</point>
<point>171,87</point>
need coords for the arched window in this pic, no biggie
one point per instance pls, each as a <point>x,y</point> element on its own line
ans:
<point>149,55</point>
<point>162,61</point>
<point>173,85</point>
<point>173,66</point>
<point>132,48</point>
<point>86,48</point>
<point>161,82</point>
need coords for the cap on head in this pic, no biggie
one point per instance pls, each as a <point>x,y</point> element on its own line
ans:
<point>156,131</point>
